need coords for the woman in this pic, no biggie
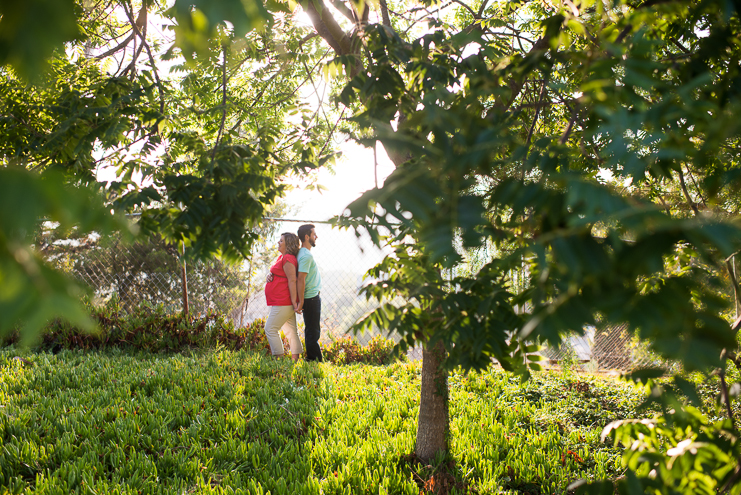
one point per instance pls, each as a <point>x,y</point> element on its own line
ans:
<point>282,297</point>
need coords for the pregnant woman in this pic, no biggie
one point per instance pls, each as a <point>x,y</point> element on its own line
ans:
<point>282,297</point>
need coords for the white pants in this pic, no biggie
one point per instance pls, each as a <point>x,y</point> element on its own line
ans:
<point>282,317</point>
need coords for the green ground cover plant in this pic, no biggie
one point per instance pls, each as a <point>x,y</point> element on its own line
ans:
<point>222,421</point>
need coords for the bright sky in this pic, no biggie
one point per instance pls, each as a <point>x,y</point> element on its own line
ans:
<point>353,175</point>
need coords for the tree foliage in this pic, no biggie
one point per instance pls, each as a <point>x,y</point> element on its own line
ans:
<point>562,152</point>
<point>191,133</point>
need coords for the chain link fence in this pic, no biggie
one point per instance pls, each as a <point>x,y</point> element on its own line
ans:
<point>152,274</point>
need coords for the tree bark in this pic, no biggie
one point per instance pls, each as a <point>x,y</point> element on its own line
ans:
<point>327,27</point>
<point>432,426</point>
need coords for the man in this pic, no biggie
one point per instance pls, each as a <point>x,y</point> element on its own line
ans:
<point>309,286</point>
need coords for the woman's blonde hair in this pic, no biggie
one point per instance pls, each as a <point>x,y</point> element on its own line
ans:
<point>292,244</point>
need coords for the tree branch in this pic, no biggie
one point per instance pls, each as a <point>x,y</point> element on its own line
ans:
<point>329,137</point>
<point>385,13</point>
<point>686,194</point>
<point>115,49</point>
<point>483,7</point>
<point>679,45</point>
<point>469,9</point>
<point>517,85</point>
<point>327,27</point>
<point>567,131</point>
<point>697,187</point>
<point>342,8</point>
<point>625,32</point>
<point>730,266</point>
<point>139,27</point>
<point>734,359</point>
<point>307,38</point>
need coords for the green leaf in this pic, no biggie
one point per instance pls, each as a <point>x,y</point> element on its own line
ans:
<point>30,292</point>
<point>644,375</point>
<point>30,30</point>
<point>197,21</point>
<point>688,388</point>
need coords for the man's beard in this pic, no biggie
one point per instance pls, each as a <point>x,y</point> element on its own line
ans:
<point>312,242</point>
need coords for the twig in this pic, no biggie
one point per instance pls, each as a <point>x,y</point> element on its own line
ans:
<point>375,163</point>
<point>735,477</point>
<point>515,34</point>
<point>135,26</point>
<point>724,392</point>
<point>289,95</point>
<point>679,45</point>
<point>535,118</point>
<point>160,88</point>
<point>306,38</point>
<point>726,398</point>
<point>316,92</point>
<point>329,137</point>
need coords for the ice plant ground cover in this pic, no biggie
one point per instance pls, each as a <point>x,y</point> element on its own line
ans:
<point>225,421</point>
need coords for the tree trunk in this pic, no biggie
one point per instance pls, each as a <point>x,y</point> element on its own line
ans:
<point>432,426</point>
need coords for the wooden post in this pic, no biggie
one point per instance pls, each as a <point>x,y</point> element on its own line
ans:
<point>185,283</point>
<point>731,267</point>
<point>735,291</point>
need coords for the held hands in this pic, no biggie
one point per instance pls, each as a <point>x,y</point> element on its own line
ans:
<point>298,307</point>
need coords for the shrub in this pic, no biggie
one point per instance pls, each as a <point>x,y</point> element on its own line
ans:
<point>151,329</point>
<point>346,350</point>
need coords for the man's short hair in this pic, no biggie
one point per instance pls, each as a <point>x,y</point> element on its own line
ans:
<point>304,230</point>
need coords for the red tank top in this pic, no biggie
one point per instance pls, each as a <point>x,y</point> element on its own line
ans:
<point>276,292</point>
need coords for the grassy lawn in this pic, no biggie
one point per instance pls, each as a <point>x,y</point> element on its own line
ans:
<point>238,422</point>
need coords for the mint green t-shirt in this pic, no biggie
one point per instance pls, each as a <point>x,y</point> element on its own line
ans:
<point>307,265</point>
